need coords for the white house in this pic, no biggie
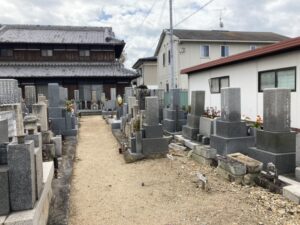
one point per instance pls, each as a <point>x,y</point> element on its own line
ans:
<point>276,65</point>
<point>147,69</point>
<point>192,47</point>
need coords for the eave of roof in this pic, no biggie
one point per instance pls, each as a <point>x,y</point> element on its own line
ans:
<point>64,69</point>
<point>140,61</point>
<point>276,48</point>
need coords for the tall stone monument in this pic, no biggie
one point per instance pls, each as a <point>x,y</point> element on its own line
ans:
<point>191,130</point>
<point>153,141</point>
<point>30,96</point>
<point>231,133</point>
<point>20,159</point>
<point>174,117</point>
<point>276,143</point>
<point>9,91</point>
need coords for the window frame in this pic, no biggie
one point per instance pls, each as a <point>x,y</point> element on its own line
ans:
<point>219,81</point>
<point>252,49</point>
<point>84,53</point>
<point>164,59</point>
<point>221,50</point>
<point>205,57</point>
<point>6,50</point>
<point>47,50</point>
<point>169,57</point>
<point>276,77</point>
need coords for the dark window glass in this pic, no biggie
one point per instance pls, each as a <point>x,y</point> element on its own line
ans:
<point>216,84</point>
<point>204,51</point>
<point>224,51</point>
<point>6,52</point>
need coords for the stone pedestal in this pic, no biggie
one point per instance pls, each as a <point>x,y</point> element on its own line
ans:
<point>191,130</point>
<point>30,96</point>
<point>21,164</point>
<point>276,143</point>
<point>4,191</point>
<point>57,140</point>
<point>174,117</point>
<point>40,111</point>
<point>231,133</point>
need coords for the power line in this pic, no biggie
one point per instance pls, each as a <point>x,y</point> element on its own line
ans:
<point>202,7</point>
<point>146,16</point>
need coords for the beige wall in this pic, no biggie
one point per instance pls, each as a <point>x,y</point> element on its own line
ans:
<point>187,54</point>
<point>149,74</point>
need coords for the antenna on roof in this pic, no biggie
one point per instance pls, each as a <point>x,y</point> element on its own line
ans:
<point>221,23</point>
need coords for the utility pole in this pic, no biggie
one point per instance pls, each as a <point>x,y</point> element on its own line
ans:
<point>172,75</point>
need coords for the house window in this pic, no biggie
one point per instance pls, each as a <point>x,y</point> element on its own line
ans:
<point>217,83</point>
<point>47,52</point>
<point>204,51</point>
<point>164,59</point>
<point>84,53</point>
<point>252,47</point>
<point>6,52</point>
<point>224,50</point>
<point>169,57</point>
<point>280,78</point>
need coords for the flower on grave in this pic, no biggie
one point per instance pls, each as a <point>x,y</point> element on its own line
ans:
<point>69,106</point>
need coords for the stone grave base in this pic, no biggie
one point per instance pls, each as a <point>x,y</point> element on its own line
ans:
<point>229,176</point>
<point>187,142</point>
<point>152,146</point>
<point>205,140</point>
<point>202,160</point>
<point>226,146</point>
<point>189,132</point>
<point>116,124</point>
<point>131,157</point>
<point>70,133</point>
<point>277,142</point>
<point>284,162</point>
<point>153,131</point>
<point>292,192</point>
<point>297,174</point>
<point>170,125</point>
<point>206,152</point>
<point>231,129</point>
<point>39,214</point>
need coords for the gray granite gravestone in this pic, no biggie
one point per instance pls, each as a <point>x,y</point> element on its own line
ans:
<point>231,133</point>
<point>30,96</point>
<point>174,117</point>
<point>57,112</point>
<point>113,94</point>
<point>128,93</point>
<point>3,131</point>
<point>12,126</point>
<point>21,164</point>
<point>276,143</point>
<point>4,191</point>
<point>40,111</point>
<point>16,108</point>
<point>38,161</point>
<point>141,94</point>
<point>191,130</point>
<point>9,91</point>
<point>3,153</point>
<point>153,141</point>
<point>131,102</point>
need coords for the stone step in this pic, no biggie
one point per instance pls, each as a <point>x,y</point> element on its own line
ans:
<point>292,192</point>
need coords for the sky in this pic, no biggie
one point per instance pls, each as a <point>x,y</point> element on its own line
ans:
<point>140,22</point>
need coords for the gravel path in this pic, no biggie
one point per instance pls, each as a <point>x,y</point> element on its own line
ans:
<point>107,191</point>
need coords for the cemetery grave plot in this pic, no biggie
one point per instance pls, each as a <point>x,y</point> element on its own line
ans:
<point>106,190</point>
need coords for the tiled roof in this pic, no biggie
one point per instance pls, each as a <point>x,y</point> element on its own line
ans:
<point>57,34</point>
<point>56,69</point>
<point>222,36</point>
<point>277,48</point>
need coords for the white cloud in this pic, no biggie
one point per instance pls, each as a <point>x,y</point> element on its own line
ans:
<point>141,35</point>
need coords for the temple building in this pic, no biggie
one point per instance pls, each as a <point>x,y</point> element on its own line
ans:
<point>78,58</point>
